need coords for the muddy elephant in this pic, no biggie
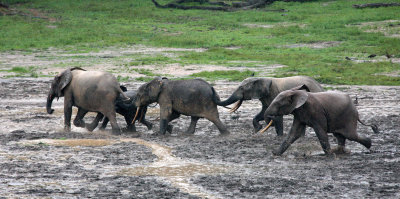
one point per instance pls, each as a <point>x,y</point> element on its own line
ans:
<point>326,112</point>
<point>265,90</point>
<point>93,91</point>
<point>126,109</point>
<point>194,97</point>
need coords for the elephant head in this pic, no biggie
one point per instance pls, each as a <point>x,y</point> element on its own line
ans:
<point>148,93</point>
<point>287,101</point>
<point>57,87</point>
<point>250,88</point>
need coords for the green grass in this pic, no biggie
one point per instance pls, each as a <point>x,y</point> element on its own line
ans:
<point>92,25</point>
<point>232,75</point>
<point>22,72</point>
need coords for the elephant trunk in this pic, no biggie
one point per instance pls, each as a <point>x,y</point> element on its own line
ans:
<point>232,99</point>
<point>50,99</point>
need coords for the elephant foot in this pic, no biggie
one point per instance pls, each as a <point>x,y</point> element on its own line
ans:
<point>276,152</point>
<point>224,134</point>
<point>134,135</point>
<point>169,128</point>
<point>92,127</point>
<point>116,131</point>
<point>79,123</point>
<point>257,128</point>
<point>149,126</point>
<point>340,150</point>
<point>67,129</point>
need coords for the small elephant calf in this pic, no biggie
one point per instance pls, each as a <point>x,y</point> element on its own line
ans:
<point>325,112</point>
<point>126,109</point>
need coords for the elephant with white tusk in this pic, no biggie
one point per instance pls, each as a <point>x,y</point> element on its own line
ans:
<point>92,91</point>
<point>265,90</point>
<point>325,112</point>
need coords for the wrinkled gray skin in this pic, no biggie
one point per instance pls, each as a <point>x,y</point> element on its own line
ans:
<point>325,112</point>
<point>265,90</point>
<point>89,91</point>
<point>126,109</point>
<point>195,98</point>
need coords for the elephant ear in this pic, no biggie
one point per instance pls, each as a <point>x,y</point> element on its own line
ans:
<point>297,99</point>
<point>63,80</point>
<point>301,87</point>
<point>261,87</point>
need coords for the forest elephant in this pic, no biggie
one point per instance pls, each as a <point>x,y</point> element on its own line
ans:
<point>265,90</point>
<point>326,112</point>
<point>126,109</point>
<point>194,97</point>
<point>93,91</point>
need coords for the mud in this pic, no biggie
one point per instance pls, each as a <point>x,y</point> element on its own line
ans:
<point>38,159</point>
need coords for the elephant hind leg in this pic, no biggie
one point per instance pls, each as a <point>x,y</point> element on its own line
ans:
<point>214,118</point>
<point>192,126</point>
<point>90,127</point>
<point>350,133</point>
<point>78,121</point>
<point>341,144</point>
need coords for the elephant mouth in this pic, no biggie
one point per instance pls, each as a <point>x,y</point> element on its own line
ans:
<point>236,106</point>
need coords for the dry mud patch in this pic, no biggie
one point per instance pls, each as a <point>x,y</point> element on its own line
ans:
<point>38,159</point>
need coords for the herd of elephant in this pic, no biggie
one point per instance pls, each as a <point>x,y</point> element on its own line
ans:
<point>95,91</point>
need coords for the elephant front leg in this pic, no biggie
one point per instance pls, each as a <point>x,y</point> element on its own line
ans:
<point>259,117</point>
<point>295,133</point>
<point>323,139</point>
<point>165,117</point>
<point>67,115</point>
<point>278,123</point>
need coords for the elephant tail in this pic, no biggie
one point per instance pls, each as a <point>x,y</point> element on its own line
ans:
<point>216,99</point>
<point>373,126</point>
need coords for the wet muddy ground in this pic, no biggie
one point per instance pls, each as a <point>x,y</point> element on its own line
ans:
<point>38,159</point>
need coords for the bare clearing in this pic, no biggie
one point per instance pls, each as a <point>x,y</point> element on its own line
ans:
<point>39,160</point>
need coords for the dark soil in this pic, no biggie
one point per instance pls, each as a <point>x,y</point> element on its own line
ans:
<point>38,159</point>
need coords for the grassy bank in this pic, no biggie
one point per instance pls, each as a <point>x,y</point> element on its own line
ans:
<point>312,38</point>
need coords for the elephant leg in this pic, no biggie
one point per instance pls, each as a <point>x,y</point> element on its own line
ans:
<point>259,117</point>
<point>78,121</point>
<point>104,124</point>
<point>172,117</point>
<point>112,116</point>
<point>130,127</point>
<point>192,126</point>
<point>278,123</point>
<point>213,116</point>
<point>144,121</point>
<point>67,115</point>
<point>90,127</point>
<point>323,139</point>
<point>341,144</point>
<point>295,133</point>
<point>351,134</point>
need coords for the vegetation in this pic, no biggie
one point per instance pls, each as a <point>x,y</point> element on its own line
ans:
<point>286,38</point>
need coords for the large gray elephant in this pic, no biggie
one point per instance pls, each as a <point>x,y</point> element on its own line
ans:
<point>266,89</point>
<point>194,97</point>
<point>93,91</point>
<point>325,112</point>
